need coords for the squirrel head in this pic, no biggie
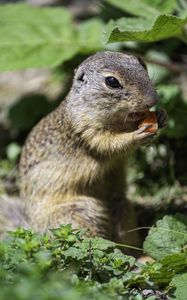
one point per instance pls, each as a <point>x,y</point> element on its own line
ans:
<point>111,88</point>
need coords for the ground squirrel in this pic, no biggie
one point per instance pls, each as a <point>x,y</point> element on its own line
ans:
<point>72,164</point>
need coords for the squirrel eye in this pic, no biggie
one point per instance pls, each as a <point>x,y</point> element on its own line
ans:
<point>112,82</point>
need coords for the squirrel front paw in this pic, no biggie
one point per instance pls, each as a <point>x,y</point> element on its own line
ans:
<point>147,131</point>
<point>141,136</point>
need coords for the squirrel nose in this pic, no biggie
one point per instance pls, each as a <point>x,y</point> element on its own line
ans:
<point>152,100</point>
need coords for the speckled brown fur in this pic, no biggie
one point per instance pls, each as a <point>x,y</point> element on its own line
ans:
<point>72,164</point>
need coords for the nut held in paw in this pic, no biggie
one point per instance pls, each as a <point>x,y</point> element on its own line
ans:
<point>151,120</point>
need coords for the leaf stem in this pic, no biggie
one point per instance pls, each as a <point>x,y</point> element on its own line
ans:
<point>128,246</point>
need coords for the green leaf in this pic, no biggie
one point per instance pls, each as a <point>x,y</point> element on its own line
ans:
<point>35,37</point>
<point>98,243</point>
<point>75,253</point>
<point>145,8</point>
<point>90,35</point>
<point>145,30</point>
<point>179,282</point>
<point>169,266</point>
<point>169,236</point>
<point>164,7</point>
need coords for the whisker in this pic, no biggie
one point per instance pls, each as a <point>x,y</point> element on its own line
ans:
<point>126,117</point>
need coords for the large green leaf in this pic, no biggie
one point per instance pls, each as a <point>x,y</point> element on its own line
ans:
<point>168,237</point>
<point>179,283</point>
<point>145,8</point>
<point>43,37</point>
<point>146,30</point>
<point>90,35</point>
<point>35,37</point>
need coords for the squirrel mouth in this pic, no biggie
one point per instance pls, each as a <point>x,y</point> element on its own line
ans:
<point>136,116</point>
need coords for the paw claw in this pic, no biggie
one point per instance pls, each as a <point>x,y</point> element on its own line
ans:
<point>143,128</point>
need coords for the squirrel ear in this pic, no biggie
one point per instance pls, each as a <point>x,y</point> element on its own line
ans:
<point>142,63</point>
<point>79,75</point>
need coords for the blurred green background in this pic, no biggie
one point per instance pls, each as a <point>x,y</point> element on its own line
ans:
<point>42,42</point>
